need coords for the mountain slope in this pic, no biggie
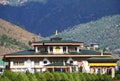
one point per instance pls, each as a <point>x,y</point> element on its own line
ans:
<point>105,31</point>
<point>56,14</point>
<point>13,37</point>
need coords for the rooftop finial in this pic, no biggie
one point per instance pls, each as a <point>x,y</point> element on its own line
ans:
<point>56,33</point>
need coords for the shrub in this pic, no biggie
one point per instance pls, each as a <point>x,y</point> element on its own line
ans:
<point>87,76</point>
<point>117,76</point>
<point>93,78</point>
<point>22,77</point>
<point>49,76</point>
<point>76,76</point>
<point>4,78</point>
<point>31,77</point>
<point>100,77</point>
<point>40,76</point>
<point>106,77</point>
<point>57,76</point>
<point>82,77</point>
<point>70,77</point>
<point>64,77</point>
<point>10,75</point>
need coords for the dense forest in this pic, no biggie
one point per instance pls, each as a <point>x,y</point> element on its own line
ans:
<point>105,32</point>
<point>56,76</point>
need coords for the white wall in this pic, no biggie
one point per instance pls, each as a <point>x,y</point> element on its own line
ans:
<point>28,65</point>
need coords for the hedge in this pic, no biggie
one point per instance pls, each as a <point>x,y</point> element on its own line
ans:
<point>56,76</point>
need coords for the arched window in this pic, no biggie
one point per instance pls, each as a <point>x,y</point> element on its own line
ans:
<point>71,61</point>
<point>45,61</point>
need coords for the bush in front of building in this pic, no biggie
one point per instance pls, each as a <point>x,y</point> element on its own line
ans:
<point>31,77</point>
<point>40,76</point>
<point>64,76</point>
<point>93,77</point>
<point>49,76</point>
<point>104,77</point>
<point>57,76</point>
<point>107,77</point>
<point>76,76</point>
<point>22,77</point>
<point>4,78</point>
<point>117,76</point>
<point>10,75</point>
<point>88,77</point>
<point>82,77</point>
<point>100,77</point>
<point>96,77</point>
<point>70,77</point>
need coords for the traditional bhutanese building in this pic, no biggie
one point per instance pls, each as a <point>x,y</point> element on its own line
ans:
<point>57,54</point>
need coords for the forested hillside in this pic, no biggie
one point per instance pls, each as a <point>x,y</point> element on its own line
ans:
<point>37,16</point>
<point>14,38</point>
<point>105,31</point>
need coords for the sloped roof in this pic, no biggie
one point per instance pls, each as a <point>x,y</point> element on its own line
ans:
<point>89,52</point>
<point>61,41</point>
<point>56,39</point>
<point>25,52</point>
<point>102,59</point>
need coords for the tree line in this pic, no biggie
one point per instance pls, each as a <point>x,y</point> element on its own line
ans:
<point>56,76</point>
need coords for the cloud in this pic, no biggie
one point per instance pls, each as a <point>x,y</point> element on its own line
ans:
<point>20,2</point>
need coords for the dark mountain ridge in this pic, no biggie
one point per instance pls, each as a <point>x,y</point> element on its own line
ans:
<point>57,14</point>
